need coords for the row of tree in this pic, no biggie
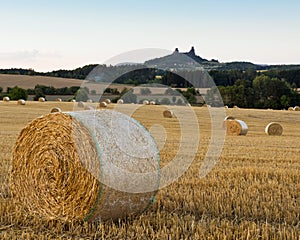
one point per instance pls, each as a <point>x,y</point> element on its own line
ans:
<point>263,92</point>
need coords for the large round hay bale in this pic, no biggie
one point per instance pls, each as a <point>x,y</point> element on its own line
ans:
<point>236,127</point>
<point>102,104</point>
<point>168,114</point>
<point>120,101</point>
<point>58,100</point>
<point>108,101</point>
<point>6,99</point>
<point>297,108</point>
<point>81,104</point>
<point>73,100</point>
<point>55,110</point>
<point>290,109</point>
<point>21,102</point>
<point>152,103</point>
<point>274,129</point>
<point>41,99</point>
<point>146,102</point>
<point>85,166</point>
<point>89,101</point>
<point>229,118</point>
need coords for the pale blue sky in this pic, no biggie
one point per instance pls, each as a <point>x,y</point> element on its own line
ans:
<point>49,35</point>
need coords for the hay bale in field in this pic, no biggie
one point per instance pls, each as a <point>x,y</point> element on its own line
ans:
<point>236,107</point>
<point>152,103</point>
<point>108,101</point>
<point>168,114</point>
<point>89,101</point>
<point>58,100</point>
<point>21,102</point>
<point>6,99</point>
<point>120,101</point>
<point>55,110</point>
<point>290,109</point>
<point>226,107</point>
<point>229,118</point>
<point>41,99</point>
<point>89,108</point>
<point>296,108</point>
<point>78,171</point>
<point>73,100</point>
<point>102,104</point>
<point>81,104</point>
<point>146,102</point>
<point>274,129</point>
<point>236,127</point>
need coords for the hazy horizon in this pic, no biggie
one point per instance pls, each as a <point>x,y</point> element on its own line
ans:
<point>68,34</point>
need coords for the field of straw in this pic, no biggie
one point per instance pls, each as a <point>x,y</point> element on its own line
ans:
<point>252,193</point>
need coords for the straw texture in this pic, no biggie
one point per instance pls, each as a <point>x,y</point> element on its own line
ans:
<point>56,170</point>
<point>274,129</point>
<point>236,127</point>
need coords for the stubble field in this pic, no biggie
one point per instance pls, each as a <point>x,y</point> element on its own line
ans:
<point>252,193</point>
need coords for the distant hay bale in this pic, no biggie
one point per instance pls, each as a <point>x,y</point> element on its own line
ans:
<point>226,107</point>
<point>89,108</point>
<point>229,118</point>
<point>62,179</point>
<point>58,100</point>
<point>55,110</point>
<point>81,104</point>
<point>41,99</point>
<point>152,103</point>
<point>21,102</point>
<point>6,99</point>
<point>274,129</point>
<point>102,104</point>
<point>236,107</point>
<point>296,108</point>
<point>236,127</point>
<point>146,102</point>
<point>168,114</point>
<point>120,101</point>
<point>290,109</point>
<point>89,101</point>
<point>73,100</point>
<point>108,101</point>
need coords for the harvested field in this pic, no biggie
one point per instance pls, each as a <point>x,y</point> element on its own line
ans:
<point>252,193</point>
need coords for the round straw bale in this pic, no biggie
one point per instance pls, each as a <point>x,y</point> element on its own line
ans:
<point>168,114</point>
<point>21,102</point>
<point>55,110</point>
<point>120,101</point>
<point>226,107</point>
<point>73,100</point>
<point>236,127</point>
<point>6,99</point>
<point>81,104</point>
<point>89,108</point>
<point>274,129</point>
<point>41,99</point>
<point>58,100</point>
<point>146,102</point>
<point>290,109</point>
<point>152,102</point>
<point>235,107</point>
<point>108,101</point>
<point>89,101</point>
<point>63,178</point>
<point>297,108</point>
<point>102,104</point>
<point>229,118</point>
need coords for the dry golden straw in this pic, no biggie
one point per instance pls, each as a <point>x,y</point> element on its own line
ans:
<point>6,99</point>
<point>50,174</point>
<point>236,127</point>
<point>274,129</point>
<point>168,114</point>
<point>102,104</point>
<point>21,102</point>
<point>107,101</point>
<point>55,110</point>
